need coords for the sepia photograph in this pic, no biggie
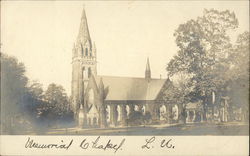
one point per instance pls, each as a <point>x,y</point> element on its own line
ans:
<point>124,68</point>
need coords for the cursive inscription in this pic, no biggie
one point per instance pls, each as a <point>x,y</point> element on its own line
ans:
<point>32,144</point>
<point>164,143</point>
<point>100,143</point>
<point>97,145</point>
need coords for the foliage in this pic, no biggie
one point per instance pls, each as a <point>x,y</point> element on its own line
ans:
<point>211,63</point>
<point>56,104</point>
<point>24,103</point>
<point>204,47</point>
<point>239,72</point>
<point>138,118</point>
<point>13,90</point>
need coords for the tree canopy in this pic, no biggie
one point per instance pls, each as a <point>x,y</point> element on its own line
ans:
<point>24,101</point>
<point>211,62</point>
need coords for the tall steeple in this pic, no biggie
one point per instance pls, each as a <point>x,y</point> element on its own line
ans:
<point>83,64</point>
<point>83,35</point>
<point>147,71</point>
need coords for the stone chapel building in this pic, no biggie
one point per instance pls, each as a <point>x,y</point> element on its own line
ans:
<point>102,101</point>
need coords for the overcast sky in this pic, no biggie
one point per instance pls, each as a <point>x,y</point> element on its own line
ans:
<point>41,34</point>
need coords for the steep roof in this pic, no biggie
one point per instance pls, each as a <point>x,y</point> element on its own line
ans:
<point>129,88</point>
<point>83,35</point>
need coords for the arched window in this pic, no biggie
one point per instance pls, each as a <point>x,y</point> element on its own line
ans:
<point>86,50</point>
<point>127,110</point>
<point>89,72</point>
<point>118,113</point>
<point>175,112</point>
<point>143,109</point>
<point>82,50</point>
<point>84,72</point>
<point>136,108</point>
<point>163,112</point>
<point>108,113</point>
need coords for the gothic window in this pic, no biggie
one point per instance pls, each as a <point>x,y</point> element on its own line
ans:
<point>175,112</point>
<point>127,110</point>
<point>89,72</point>
<point>163,111</point>
<point>136,108</point>
<point>108,113</point>
<point>82,50</point>
<point>86,50</point>
<point>84,72</point>
<point>118,113</point>
<point>143,109</point>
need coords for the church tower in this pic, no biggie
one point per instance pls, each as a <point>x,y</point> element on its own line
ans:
<point>83,64</point>
<point>147,71</point>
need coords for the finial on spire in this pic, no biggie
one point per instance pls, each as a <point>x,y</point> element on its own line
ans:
<point>147,66</point>
<point>148,71</point>
<point>101,85</point>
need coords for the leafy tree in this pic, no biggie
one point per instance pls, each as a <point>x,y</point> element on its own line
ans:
<point>57,104</point>
<point>204,46</point>
<point>24,103</point>
<point>13,90</point>
<point>239,74</point>
<point>239,58</point>
<point>33,98</point>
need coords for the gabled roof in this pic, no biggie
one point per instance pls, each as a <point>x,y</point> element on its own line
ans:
<point>92,107</point>
<point>129,88</point>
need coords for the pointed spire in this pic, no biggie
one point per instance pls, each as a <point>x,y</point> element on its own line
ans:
<point>148,71</point>
<point>83,35</point>
<point>147,66</point>
<point>101,85</point>
<point>101,89</point>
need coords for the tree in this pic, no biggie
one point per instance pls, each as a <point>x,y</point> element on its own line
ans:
<point>239,58</point>
<point>24,103</point>
<point>34,98</point>
<point>204,46</point>
<point>13,90</point>
<point>239,74</point>
<point>57,104</point>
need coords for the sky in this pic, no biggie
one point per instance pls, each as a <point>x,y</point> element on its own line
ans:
<point>41,34</point>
